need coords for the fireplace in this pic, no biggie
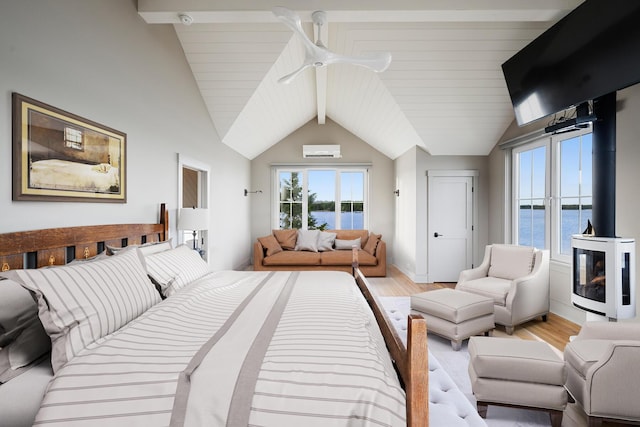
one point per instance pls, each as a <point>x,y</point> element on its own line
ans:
<point>603,276</point>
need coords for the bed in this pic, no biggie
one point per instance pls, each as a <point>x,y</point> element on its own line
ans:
<point>56,174</point>
<point>225,347</point>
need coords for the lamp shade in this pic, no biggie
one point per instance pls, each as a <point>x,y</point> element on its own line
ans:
<point>193,219</point>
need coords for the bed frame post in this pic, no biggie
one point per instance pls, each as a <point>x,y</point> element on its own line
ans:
<point>412,361</point>
<point>417,387</point>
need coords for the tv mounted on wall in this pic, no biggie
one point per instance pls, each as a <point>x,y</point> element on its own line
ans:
<point>589,53</point>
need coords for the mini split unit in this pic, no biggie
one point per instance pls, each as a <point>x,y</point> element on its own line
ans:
<point>321,151</point>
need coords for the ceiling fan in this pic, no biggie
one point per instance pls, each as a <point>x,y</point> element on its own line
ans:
<point>317,55</point>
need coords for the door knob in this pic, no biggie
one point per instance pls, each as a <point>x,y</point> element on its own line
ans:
<point>436,234</point>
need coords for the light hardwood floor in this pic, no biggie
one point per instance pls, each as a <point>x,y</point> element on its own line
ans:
<point>556,330</point>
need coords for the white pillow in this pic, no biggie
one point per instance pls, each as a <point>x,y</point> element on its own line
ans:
<point>175,268</point>
<point>155,247</point>
<point>307,240</point>
<point>347,244</point>
<point>325,241</point>
<point>146,248</point>
<point>80,303</point>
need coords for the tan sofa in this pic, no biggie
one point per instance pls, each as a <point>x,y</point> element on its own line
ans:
<point>372,254</point>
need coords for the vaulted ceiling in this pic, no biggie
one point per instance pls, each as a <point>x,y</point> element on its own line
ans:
<point>444,90</point>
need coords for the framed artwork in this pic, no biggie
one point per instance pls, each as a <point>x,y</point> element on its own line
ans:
<point>59,156</point>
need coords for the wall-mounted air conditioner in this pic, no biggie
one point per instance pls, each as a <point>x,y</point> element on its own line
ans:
<point>321,151</point>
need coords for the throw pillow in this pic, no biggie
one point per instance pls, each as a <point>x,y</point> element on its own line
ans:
<point>307,240</point>
<point>146,248</point>
<point>511,261</point>
<point>270,244</point>
<point>176,268</point>
<point>325,241</point>
<point>347,244</point>
<point>372,243</point>
<point>286,238</point>
<point>81,303</point>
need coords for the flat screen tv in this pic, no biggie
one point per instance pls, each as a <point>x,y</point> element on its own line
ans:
<point>592,51</point>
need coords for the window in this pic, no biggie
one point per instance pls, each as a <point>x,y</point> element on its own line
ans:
<point>308,198</point>
<point>552,191</point>
<point>73,138</point>
<point>531,196</point>
<point>574,188</point>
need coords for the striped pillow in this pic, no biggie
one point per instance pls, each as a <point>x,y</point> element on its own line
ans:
<point>80,303</point>
<point>175,268</point>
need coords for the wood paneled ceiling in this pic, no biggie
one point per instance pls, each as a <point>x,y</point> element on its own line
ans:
<point>444,90</point>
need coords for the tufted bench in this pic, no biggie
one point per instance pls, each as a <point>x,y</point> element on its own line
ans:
<point>455,315</point>
<point>517,373</point>
<point>448,406</point>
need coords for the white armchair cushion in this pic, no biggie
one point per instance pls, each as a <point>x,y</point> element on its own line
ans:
<point>510,261</point>
<point>491,287</point>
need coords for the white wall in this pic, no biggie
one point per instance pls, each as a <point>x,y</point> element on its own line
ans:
<point>627,199</point>
<point>411,245</point>
<point>353,150</point>
<point>98,59</point>
<point>405,243</point>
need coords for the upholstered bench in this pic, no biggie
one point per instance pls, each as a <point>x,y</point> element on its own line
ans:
<point>455,315</point>
<point>518,373</point>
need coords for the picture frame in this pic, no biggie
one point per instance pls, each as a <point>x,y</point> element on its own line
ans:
<point>61,157</point>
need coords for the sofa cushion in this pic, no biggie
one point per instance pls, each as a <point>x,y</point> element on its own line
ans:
<point>372,243</point>
<point>582,354</point>
<point>352,235</point>
<point>286,238</point>
<point>511,261</point>
<point>293,258</point>
<point>345,258</point>
<point>270,243</point>
<point>492,287</point>
<point>307,240</point>
<point>325,241</point>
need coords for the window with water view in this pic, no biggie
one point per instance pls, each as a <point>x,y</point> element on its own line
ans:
<point>552,191</point>
<point>322,199</point>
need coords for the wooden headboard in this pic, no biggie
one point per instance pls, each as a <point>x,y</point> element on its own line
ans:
<point>58,246</point>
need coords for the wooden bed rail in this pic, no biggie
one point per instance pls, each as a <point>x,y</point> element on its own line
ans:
<point>57,246</point>
<point>412,361</point>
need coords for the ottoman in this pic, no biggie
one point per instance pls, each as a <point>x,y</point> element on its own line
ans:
<point>455,315</point>
<point>518,373</point>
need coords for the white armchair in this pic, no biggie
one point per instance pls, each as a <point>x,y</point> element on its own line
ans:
<point>516,277</point>
<point>602,374</point>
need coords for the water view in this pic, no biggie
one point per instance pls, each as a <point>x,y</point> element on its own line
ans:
<point>531,227</point>
<point>348,220</point>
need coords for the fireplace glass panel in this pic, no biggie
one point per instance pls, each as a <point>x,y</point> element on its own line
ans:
<point>589,274</point>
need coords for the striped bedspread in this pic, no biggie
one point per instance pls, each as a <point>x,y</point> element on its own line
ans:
<point>237,349</point>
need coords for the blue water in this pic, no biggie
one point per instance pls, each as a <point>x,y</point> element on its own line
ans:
<point>572,222</point>
<point>348,220</point>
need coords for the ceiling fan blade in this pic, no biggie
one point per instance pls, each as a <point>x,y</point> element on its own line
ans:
<point>292,20</point>
<point>377,62</point>
<point>289,77</point>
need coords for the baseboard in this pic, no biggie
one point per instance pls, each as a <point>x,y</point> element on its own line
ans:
<point>412,276</point>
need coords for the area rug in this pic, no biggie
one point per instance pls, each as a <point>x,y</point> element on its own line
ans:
<point>456,364</point>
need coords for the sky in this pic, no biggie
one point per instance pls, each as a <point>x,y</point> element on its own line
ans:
<point>323,183</point>
<point>576,167</point>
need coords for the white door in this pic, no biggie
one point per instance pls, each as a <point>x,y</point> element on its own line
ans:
<point>450,225</point>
